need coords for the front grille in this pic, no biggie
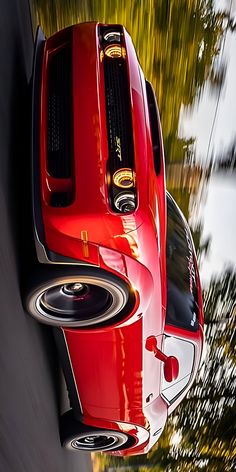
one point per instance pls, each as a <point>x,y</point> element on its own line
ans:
<point>118,110</point>
<point>59,138</point>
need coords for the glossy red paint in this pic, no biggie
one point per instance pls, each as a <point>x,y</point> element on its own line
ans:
<point>117,378</point>
<point>171,364</point>
<point>90,210</point>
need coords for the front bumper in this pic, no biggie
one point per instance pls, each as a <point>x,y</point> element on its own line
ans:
<point>89,214</point>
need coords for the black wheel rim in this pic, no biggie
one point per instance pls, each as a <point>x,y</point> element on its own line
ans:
<point>75,300</point>
<point>94,442</point>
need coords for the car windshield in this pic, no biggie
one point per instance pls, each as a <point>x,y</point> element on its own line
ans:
<point>182,306</point>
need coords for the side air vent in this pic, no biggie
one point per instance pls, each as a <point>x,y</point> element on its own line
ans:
<point>59,138</point>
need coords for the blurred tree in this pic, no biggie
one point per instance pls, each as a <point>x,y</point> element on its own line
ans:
<point>226,159</point>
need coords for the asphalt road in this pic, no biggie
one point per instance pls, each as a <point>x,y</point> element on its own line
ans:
<point>29,369</point>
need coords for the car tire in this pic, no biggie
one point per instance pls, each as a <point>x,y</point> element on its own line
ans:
<point>76,436</point>
<point>75,296</point>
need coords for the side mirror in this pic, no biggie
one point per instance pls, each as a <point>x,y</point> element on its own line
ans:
<point>171,364</point>
<point>171,368</point>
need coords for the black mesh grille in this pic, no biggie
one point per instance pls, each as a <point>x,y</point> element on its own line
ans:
<point>59,142</point>
<point>119,125</point>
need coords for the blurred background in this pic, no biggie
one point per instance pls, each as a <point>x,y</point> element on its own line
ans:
<point>187,49</point>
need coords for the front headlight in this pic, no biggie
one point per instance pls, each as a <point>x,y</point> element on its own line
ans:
<point>125,202</point>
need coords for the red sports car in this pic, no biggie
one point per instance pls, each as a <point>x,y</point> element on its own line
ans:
<point>118,278</point>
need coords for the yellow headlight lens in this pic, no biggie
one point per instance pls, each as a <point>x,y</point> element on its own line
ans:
<point>124,178</point>
<point>115,51</point>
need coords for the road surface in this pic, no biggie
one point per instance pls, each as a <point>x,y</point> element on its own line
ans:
<point>30,375</point>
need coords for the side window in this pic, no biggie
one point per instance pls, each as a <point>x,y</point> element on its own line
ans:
<point>182,296</point>
<point>184,351</point>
